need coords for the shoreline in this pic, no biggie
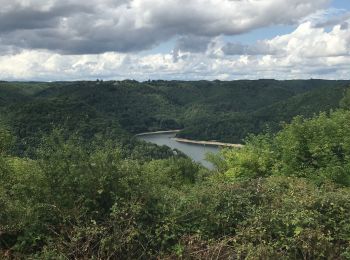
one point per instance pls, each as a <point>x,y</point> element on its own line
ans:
<point>188,141</point>
<point>213,143</point>
<point>159,132</point>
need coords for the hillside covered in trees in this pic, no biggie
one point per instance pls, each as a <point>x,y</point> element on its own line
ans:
<point>216,110</point>
<point>76,184</point>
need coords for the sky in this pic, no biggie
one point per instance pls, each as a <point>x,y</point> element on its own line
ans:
<point>56,40</point>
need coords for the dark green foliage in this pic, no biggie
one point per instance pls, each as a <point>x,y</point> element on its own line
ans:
<point>78,204</point>
<point>234,127</point>
<point>18,91</point>
<point>345,102</point>
<point>218,110</point>
<point>6,140</point>
<point>317,149</point>
<point>73,197</point>
<point>30,121</point>
<point>273,218</point>
<point>76,184</point>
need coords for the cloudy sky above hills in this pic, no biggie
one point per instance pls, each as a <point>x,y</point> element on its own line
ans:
<point>174,39</point>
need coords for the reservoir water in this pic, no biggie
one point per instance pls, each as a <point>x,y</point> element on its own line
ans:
<point>195,151</point>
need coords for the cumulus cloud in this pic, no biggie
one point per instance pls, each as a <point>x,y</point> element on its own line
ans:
<point>310,42</point>
<point>260,48</point>
<point>97,26</point>
<point>327,17</point>
<point>306,41</point>
<point>72,40</point>
<point>306,52</point>
<point>193,44</point>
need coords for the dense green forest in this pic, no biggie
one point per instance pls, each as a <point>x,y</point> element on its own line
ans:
<point>76,184</point>
<point>217,110</point>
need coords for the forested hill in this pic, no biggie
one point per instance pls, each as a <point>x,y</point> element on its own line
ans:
<point>76,184</point>
<point>206,110</point>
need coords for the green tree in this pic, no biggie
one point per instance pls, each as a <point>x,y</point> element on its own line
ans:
<point>317,149</point>
<point>6,140</point>
<point>345,102</point>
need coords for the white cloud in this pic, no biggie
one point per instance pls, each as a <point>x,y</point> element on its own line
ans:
<point>311,42</point>
<point>97,26</point>
<point>200,52</point>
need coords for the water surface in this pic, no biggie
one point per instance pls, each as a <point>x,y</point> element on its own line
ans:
<point>195,151</point>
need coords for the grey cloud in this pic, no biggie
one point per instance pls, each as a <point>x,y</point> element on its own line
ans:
<point>344,26</point>
<point>70,43</point>
<point>20,18</point>
<point>323,71</point>
<point>260,48</point>
<point>97,26</point>
<point>194,44</point>
<point>338,20</point>
<point>235,49</point>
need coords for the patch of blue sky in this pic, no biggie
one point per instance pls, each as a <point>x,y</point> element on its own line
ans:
<point>254,35</point>
<point>260,34</point>
<point>245,38</point>
<point>341,4</point>
<point>162,48</point>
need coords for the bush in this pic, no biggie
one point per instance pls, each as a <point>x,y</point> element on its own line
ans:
<point>317,149</point>
<point>273,218</point>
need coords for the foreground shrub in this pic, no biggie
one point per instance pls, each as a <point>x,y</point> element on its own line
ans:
<point>317,149</point>
<point>283,218</point>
